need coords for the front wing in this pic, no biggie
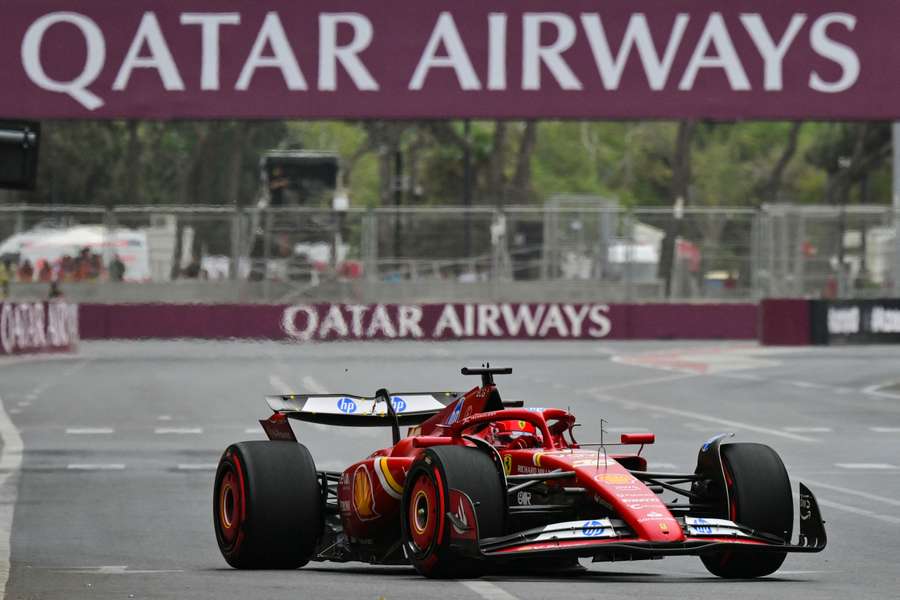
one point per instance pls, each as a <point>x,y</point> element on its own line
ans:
<point>611,539</point>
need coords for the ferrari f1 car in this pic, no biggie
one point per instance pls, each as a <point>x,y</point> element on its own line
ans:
<point>478,483</point>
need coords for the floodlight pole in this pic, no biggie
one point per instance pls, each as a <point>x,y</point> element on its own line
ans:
<point>896,206</point>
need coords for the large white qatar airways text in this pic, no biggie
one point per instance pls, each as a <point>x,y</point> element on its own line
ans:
<point>446,49</point>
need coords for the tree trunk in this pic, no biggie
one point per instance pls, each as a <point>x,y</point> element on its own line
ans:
<point>497,165</point>
<point>773,185</point>
<point>133,168</point>
<point>681,181</point>
<point>521,184</point>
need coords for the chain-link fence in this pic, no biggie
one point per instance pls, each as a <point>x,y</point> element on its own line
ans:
<point>590,245</point>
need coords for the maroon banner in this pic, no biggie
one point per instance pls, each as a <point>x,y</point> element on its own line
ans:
<point>27,327</point>
<point>326,322</point>
<point>619,59</point>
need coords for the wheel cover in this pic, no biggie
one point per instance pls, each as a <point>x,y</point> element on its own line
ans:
<point>230,504</point>
<point>422,514</point>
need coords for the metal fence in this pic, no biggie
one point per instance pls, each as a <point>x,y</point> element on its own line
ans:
<point>714,253</point>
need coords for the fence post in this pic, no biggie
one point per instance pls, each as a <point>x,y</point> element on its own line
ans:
<point>20,220</point>
<point>234,267</point>
<point>629,250</point>
<point>267,251</point>
<point>799,258</point>
<point>369,243</point>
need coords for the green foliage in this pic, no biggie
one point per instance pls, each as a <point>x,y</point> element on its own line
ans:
<point>731,163</point>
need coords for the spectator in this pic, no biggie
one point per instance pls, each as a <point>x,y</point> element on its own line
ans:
<point>117,269</point>
<point>45,273</point>
<point>4,279</point>
<point>26,272</point>
<point>82,265</point>
<point>55,291</point>
<point>192,271</point>
<point>95,267</point>
<point>66,269</point>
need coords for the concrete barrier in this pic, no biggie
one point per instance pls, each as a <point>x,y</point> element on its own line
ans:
<point>449,321</point>
<point>38,327</point>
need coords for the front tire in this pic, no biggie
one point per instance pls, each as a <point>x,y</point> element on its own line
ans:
<point>267,505</point>
<point>426,502</point>
<point>760,493</point>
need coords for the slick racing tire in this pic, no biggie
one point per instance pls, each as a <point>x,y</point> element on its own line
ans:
<point>426,502</point>
<point>267,505</point>
<point>760,493</point>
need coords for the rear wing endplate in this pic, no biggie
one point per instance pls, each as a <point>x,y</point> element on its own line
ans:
<point>345,410</point>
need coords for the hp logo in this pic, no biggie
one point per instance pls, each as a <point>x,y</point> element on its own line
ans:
<point>592,529</point>
<point>346,405</point>
<point>399,404</point>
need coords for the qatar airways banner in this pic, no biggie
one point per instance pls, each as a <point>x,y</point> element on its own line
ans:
<point>733,59</point>
<point>27,327</point>
<point>346,322</point>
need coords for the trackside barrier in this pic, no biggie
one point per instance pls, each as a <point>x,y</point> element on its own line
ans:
<point>792,322</point>
<point>327,322</point>
<point>784,322</point>
<point>38,327</point>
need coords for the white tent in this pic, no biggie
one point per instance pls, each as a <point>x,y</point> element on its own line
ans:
<point>52,244</point>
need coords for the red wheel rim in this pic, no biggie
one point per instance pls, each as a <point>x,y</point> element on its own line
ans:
<point>423,516</point>
<point>230,504</point>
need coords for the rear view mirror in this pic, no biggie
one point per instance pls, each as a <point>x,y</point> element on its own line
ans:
<point>638,438</point>
<point>19,142</point>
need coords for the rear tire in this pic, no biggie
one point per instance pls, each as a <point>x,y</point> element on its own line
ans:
<point>267,505</point>
<point>426,502</point>
<point>760,493</point>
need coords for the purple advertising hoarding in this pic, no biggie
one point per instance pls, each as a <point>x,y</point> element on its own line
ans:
<point>615,59</point>
<point>346,322</point>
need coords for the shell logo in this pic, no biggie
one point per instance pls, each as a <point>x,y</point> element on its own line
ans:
<point>363,498</point>
<point>536,458</point>
<point>614,478</point>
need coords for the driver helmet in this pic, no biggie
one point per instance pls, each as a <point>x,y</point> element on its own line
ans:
<point>509,431</point>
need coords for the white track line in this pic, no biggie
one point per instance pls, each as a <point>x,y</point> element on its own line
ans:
<point>313,386</point>
<point>178,430</point>
<point>708,419</point>
<point>89,430</point>
<point>860,511</point>
<point>95,467</point>
<point>640,382</point>
<point>197,467</point>
<point>808,429</point>
<point>851,492</point>
<point>866,466</point>
<point>488,590</point>
<point>885,429</point>
<point>10,467</point>
<point>657,466</point>
<point>254,430</point>
<point>875,390</point>
<point>164,418</point>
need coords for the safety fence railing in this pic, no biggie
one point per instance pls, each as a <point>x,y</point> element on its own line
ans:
<point>641,253</point>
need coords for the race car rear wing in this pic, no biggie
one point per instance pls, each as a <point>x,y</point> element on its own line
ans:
<point>345,410</point>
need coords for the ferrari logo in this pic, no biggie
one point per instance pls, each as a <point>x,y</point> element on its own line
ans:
<point>522,424</point>
<point>363,498</point>
<point>664,527</point>
<point>507,464</point>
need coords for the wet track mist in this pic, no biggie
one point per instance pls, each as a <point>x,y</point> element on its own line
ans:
<point>113,497</point>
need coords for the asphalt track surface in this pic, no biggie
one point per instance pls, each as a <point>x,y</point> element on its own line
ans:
<point>113,495</point>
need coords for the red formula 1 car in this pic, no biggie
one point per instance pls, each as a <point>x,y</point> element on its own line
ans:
<point>479,483</point>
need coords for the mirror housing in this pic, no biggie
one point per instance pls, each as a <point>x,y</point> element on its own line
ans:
<point>638,438</point>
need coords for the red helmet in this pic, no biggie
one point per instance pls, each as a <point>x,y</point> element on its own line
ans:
<point>506,432</point>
